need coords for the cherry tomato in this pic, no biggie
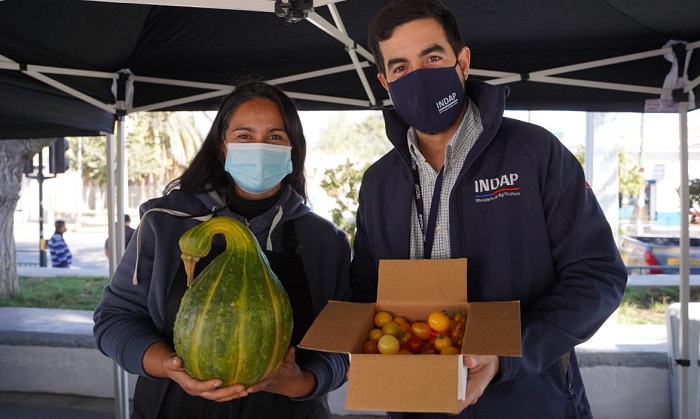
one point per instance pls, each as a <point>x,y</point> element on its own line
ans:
<point>414,344</point>
<point>370,347</point>
<point>405,327</point>
<point>382,318</point>
<point>400,319</point>
<point>391,328</point>
<point>375,334</point>
<point>438,321</point>
<point>421,330</point>
<point>449,350</point>
<point>442,341</point>
<point>388,344</point>
<point>429,348</point>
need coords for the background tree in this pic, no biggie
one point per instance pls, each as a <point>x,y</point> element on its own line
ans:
<point>365,141</point>
<point>694,192</point>
<point>158,147</point>
<point>343,184</point>
<point>13,154</point>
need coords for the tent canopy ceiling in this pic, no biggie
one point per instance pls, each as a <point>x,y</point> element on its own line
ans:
<point>186,58</point>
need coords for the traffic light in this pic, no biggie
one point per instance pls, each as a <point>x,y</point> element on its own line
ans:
<point>28,166</point>
<point>58,162</point>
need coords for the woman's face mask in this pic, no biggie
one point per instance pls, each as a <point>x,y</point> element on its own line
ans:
<point>257,167</point>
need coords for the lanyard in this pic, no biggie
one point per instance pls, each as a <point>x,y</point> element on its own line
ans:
<point>429,229</point>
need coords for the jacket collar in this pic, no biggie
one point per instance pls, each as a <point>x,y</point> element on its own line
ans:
<point>489,99</point>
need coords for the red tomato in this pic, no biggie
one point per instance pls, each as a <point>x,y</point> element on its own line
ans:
<point>370,347</point>
<point>414,344</point>
<point>429,348</point>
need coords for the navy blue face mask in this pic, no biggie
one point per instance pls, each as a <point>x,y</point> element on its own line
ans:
<point>428,99</point>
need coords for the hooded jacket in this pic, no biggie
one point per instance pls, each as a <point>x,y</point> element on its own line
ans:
<point>532,230</point>
<point>131,317</point>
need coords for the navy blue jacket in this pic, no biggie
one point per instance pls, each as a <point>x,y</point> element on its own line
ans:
<point>523,215</point>
<point>131,317</point>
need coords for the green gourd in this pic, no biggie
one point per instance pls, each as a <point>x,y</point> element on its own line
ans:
<point>235,319</point>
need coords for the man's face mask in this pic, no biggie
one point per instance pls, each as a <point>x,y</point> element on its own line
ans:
<point>428,99</point>
<point>256,167</point>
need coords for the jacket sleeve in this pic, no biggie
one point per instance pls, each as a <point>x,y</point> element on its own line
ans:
<point>363,270</point>
<point>330,369</point>
<point>590,275</point>
<point>124,327</point>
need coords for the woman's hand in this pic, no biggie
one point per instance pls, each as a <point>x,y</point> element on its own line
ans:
<point>289,380</point>
<point>207,389</point>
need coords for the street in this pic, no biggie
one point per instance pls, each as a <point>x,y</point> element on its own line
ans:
<point>85,241</point>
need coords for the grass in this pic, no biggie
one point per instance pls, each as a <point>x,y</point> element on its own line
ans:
<point>639,305</point>
<point>69,292</point>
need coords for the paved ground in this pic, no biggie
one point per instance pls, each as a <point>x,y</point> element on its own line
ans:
<point>85,240</point>
<point>53,406</point>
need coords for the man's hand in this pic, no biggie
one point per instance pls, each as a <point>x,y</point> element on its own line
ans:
<point>482,369</point>
<point>289,380</point>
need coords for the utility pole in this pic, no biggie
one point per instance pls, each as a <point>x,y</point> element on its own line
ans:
<point>57,164</point>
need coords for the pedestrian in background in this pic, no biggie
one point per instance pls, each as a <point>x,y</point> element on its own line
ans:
<point>128,234</point>
<point>60,253</point>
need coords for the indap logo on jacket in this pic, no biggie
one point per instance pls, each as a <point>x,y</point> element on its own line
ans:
<point>498,187</point>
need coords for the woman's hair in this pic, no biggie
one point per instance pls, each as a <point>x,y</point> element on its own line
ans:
<point>206,171</point>
<point>399,12</point>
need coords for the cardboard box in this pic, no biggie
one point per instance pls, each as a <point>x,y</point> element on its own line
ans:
<point>414,383</point>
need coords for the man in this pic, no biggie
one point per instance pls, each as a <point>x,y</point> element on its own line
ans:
<point>128,234</point>
<point>464,182</point>
<point>60,253</point>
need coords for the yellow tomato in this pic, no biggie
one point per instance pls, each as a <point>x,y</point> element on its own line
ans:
<point>449,350</point>
<point>375,334</point>
<point>391,328</point>
<point>382,318</point>
<point>442,342</point>
<point>388,344</point>
<point>438,321</point>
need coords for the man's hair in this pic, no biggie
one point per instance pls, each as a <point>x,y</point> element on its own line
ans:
<point>127,219</point>
<point>58,224</point>
<point>399,12</point>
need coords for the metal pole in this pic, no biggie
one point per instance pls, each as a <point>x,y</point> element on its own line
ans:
<point>684,261</point>
<point>121,378</point>
<point>42,242</point>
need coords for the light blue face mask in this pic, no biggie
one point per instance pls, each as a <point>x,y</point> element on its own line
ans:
<point>258,167</point>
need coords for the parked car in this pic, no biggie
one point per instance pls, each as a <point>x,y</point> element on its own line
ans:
<point>657,254</point>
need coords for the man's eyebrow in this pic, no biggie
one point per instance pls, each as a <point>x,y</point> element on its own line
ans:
<point>395,61</point>
<point>431,49</point>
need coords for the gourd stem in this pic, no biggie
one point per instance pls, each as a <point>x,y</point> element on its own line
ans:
<point>196,243</point>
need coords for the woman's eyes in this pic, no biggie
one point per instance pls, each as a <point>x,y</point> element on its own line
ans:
<point>274,138</point>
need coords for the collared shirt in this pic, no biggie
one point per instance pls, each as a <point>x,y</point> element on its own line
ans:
<point>455,154</point>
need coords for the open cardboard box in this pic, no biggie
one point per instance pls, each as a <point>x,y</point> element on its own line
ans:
<point>414,383</point>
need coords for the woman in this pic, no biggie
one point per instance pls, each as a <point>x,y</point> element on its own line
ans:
<point>251,168</point>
